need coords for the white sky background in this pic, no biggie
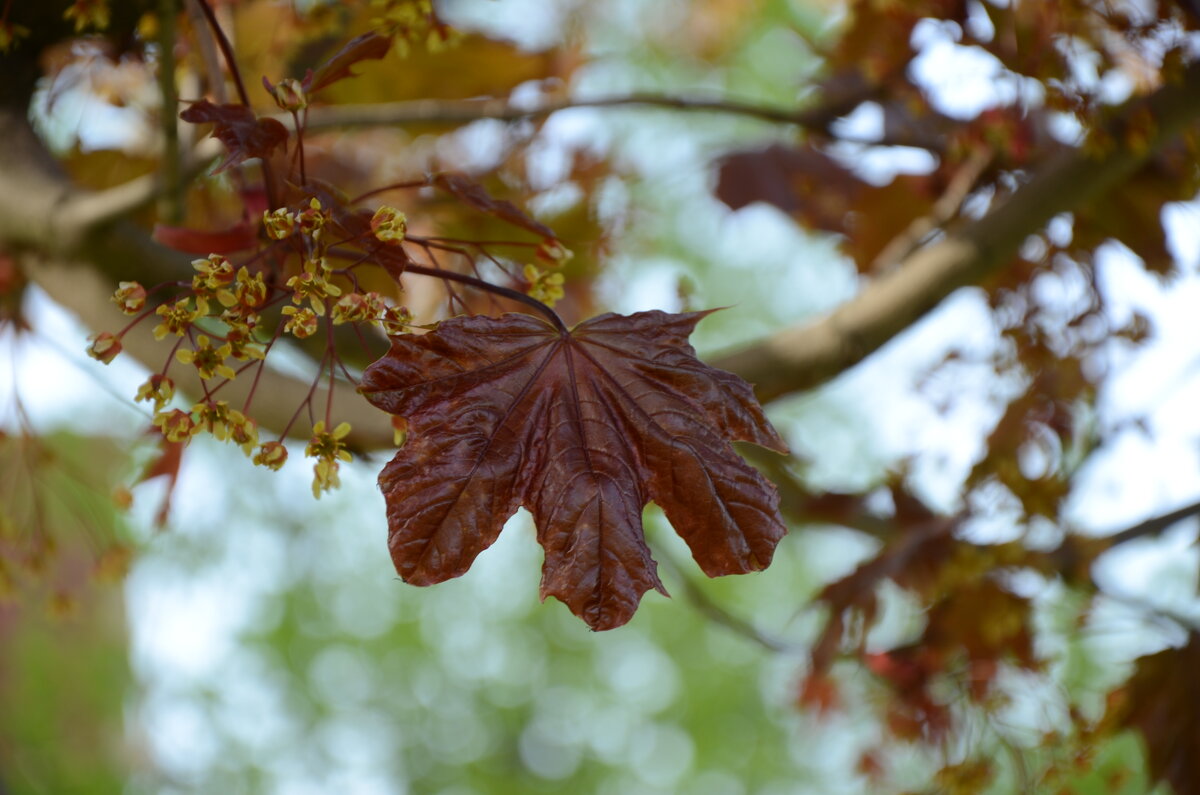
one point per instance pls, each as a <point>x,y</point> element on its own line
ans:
<point>188,630</point>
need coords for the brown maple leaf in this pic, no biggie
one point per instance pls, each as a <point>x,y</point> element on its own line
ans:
<point>583,428</point>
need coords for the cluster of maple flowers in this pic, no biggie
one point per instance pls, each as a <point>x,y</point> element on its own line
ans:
<point>216,320</point>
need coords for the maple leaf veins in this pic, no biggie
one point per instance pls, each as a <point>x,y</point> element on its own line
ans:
<point>583,429</point>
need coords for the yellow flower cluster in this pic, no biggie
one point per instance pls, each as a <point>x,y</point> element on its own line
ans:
<point>328,448</point>
<point>226,424</point>
<point>359,308</point>
<point>281,223</point>
<point>212,416</point>
<point>389,225</point>
<point>545,287</point>
<point>411,22</point>
<point>88,14</point>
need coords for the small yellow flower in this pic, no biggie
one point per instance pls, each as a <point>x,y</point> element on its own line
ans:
<point>241,342</point>
<point>177,317</point>
<point>301,323</point>
<point>130,296</point>
<point>105,346</point>
<point>208,360</point>
<point>212,416</point>
<point>271,455</point>
<point>389,225</point>
<point>243,431</point>
<point>312,219</point>
<point>213,278</point>
<point>10,34</point>
<point>279,223</point>
<point>325,477</point>
<point>397,320</point>
<point>251,290</point>
<point>159,389</point>
<point>553,253</point>
<point>88,13</point>
<point>288,94</point>
<point>176,425</point>
<point>315,288</point>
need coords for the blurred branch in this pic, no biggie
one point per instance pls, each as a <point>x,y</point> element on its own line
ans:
<point>171,200</point>
<point>942,212</point>
<point>208,52</point>
<point>714,612</point>
<point>450,111</point>
<point>1154,526</point>
<point>805,356</point>
<point>801,505</point>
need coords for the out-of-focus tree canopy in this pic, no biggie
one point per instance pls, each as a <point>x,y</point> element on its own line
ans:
<point>957,243</point>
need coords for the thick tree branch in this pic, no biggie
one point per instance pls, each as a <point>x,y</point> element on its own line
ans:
<point>805,356</point>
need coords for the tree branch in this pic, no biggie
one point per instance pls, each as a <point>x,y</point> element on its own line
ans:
<point>805,356</point>
<point>1153,526</point>
<point>451,111</point>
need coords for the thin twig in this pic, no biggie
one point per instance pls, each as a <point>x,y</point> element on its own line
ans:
<point>718,614</point>
<point>1154,525</point>
<point>208,53</point>
<point>472,281</point>
<point>942,212</point>
<point>226,50</point>
<point>443,111</point>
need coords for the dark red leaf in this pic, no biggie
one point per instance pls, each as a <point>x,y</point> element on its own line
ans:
<point>236,238</point>
<point>244,134</point>
<point>583,429</point>
<point>1162,701</point>
<point>361,48</point>
<point>790,178</point>
<point>473,194</point>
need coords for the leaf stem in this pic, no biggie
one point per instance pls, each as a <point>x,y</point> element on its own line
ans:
<point>472,281</point>
<point>236,75</point>
<point>495,289</point>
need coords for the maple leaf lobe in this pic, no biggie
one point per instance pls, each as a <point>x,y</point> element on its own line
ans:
<point>582,429</point>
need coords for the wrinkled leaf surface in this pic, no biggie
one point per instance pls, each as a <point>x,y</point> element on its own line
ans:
<point>583,429</point>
